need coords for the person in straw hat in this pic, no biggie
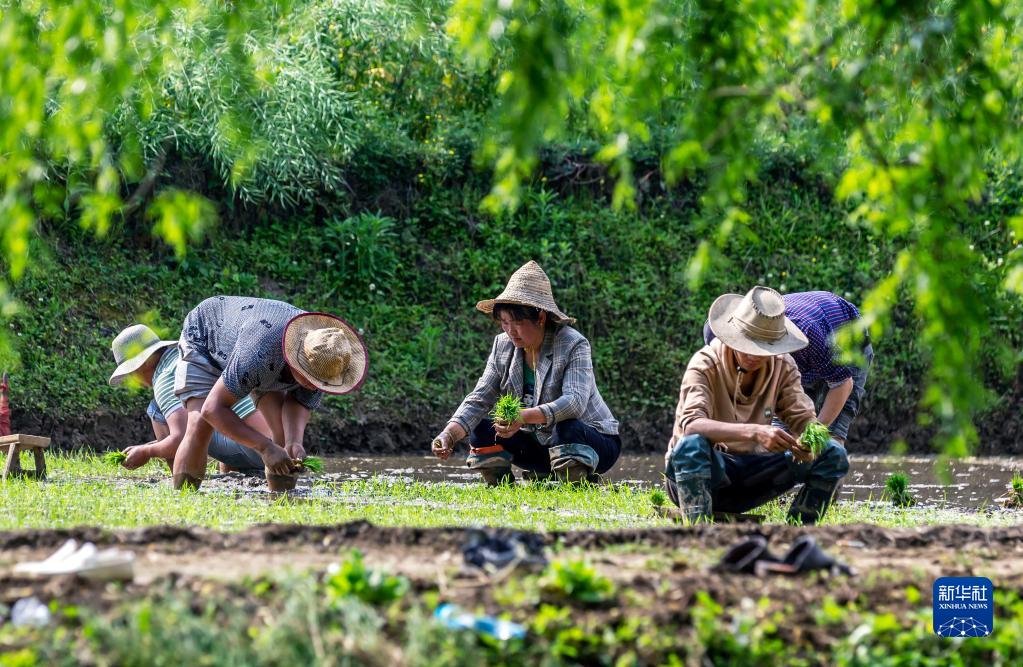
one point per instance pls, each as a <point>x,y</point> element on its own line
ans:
<point>151,362</point>
<point>725,455</point>
<point>565,430</point>
<point>233,346</point>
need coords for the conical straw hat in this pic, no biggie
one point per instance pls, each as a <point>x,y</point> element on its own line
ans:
<point>529,286</point>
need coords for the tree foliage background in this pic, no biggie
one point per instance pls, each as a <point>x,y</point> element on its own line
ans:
<point>908,112</point>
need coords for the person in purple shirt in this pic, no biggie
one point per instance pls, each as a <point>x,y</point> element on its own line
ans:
<point>836,390</point>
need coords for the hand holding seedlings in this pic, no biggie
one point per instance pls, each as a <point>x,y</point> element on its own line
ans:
<point>507,415</point>
<point>135,457</point>
<point>773,439</point>
<point>442,446</point>
<point>277,460</point>
<point>114,458</point>
<point>309,464</point>
<point>815,438</point>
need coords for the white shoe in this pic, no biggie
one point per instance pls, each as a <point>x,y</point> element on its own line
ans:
<point>85,561</point>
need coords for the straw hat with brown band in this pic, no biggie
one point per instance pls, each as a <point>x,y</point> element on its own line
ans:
<point>326,350</point>
<point>529,286</point>
<point>755,323</point>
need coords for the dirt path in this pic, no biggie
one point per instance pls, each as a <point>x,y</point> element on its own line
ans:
<point>671,565</point>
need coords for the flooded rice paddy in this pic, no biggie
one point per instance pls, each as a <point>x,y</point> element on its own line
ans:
<point>967,483</point>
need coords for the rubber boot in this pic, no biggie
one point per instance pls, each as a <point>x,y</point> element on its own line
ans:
<point>493,464</point>
<point>574,463</point>
<point>694,499</point>
<point>812,502</point>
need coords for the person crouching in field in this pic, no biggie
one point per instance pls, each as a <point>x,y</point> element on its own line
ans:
<point>836,390</point>
<point>565,429</point>
<point>140,354</point>
<point>725,455</point>
<point>233,346</point>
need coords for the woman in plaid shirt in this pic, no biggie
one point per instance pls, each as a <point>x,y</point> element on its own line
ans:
<point>565,430</point>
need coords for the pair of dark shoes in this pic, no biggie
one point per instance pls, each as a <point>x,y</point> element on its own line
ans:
<point>496,549</point>
<point>751,556</point>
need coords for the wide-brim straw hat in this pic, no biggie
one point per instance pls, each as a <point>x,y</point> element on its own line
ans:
<point>132,348</point>
<point>529,286</point>
<point>326,350</point>
<point>755,323</point>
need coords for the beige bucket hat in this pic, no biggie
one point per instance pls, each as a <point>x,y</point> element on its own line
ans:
<point>327,350</point>
<point>529,286</point>
<point>755,323</point>
<point>131,348</point>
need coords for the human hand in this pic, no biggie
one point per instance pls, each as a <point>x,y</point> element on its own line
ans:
<point>671,448</point>
<point>137,457</point>
<point>773,439</point>
<point>296,451</point>
<point>442,446</point>
<point>506,430</point>
<point>801,454</point>
<point>277,461</point>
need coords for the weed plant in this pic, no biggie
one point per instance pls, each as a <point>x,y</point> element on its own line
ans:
<point>577,580</point>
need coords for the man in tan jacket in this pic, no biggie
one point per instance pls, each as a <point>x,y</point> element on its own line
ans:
<point>724,454</point>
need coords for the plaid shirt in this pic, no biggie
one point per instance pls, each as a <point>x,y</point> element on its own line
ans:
<point>565,387</point>
<point>819,315</point>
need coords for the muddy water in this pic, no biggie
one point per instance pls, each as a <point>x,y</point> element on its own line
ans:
<point>971,483</point>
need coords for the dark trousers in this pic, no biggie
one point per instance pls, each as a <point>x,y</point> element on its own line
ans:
<point>528,453</point>
<point>738,483</point>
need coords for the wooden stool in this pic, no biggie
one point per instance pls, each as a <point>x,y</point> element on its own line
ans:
<point>14,445</point>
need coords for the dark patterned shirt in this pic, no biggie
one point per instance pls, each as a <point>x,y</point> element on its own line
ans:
<point>819,315</point>
<point>243,336</point>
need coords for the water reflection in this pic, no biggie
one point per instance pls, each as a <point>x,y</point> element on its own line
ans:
<point>971,482</point>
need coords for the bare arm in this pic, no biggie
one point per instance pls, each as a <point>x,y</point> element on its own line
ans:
<point>294,418</point>
<point>834,401</point>
<point>216,410</point>
<point>168,436</point>
<point>747,438</point>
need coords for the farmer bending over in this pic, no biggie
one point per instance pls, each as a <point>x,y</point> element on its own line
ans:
<point>141,354</point>
<point>837,391</point>
<point>725,455</point>
<point>233,346</point>
<point>565,429</point>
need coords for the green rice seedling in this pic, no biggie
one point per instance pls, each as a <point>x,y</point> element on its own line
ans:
<point>115,458</point>
<point>815,437</point>
<point>658,497</point>
<point>312,464</point>
<point>507,409</point>
<point>577,580</point>
<point>1014,498</point>
<point>896,489</point>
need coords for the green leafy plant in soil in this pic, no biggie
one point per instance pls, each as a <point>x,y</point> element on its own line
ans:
<point>658,497</point>
<point>815,437</point>
<point>577,580</point>
<point>353,579</point>
<point>896,489</point>
<point>115,458</point>
<point>507,409</point>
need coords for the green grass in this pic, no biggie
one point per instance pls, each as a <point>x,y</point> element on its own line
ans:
<point>86,491</point>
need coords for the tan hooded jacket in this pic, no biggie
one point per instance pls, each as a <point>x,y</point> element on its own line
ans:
<point>710,391</point>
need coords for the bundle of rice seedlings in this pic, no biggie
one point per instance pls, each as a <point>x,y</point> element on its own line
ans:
<point>815,437</point>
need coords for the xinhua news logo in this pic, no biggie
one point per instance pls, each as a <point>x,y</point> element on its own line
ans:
<point>963,607</point>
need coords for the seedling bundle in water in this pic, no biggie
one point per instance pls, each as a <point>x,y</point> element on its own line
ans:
<point>896,488</point>
<point>1014,498</point>
<point>311,463</point>
<point>815,437</point>
<point>115,458</point>
<point>507,409</point>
